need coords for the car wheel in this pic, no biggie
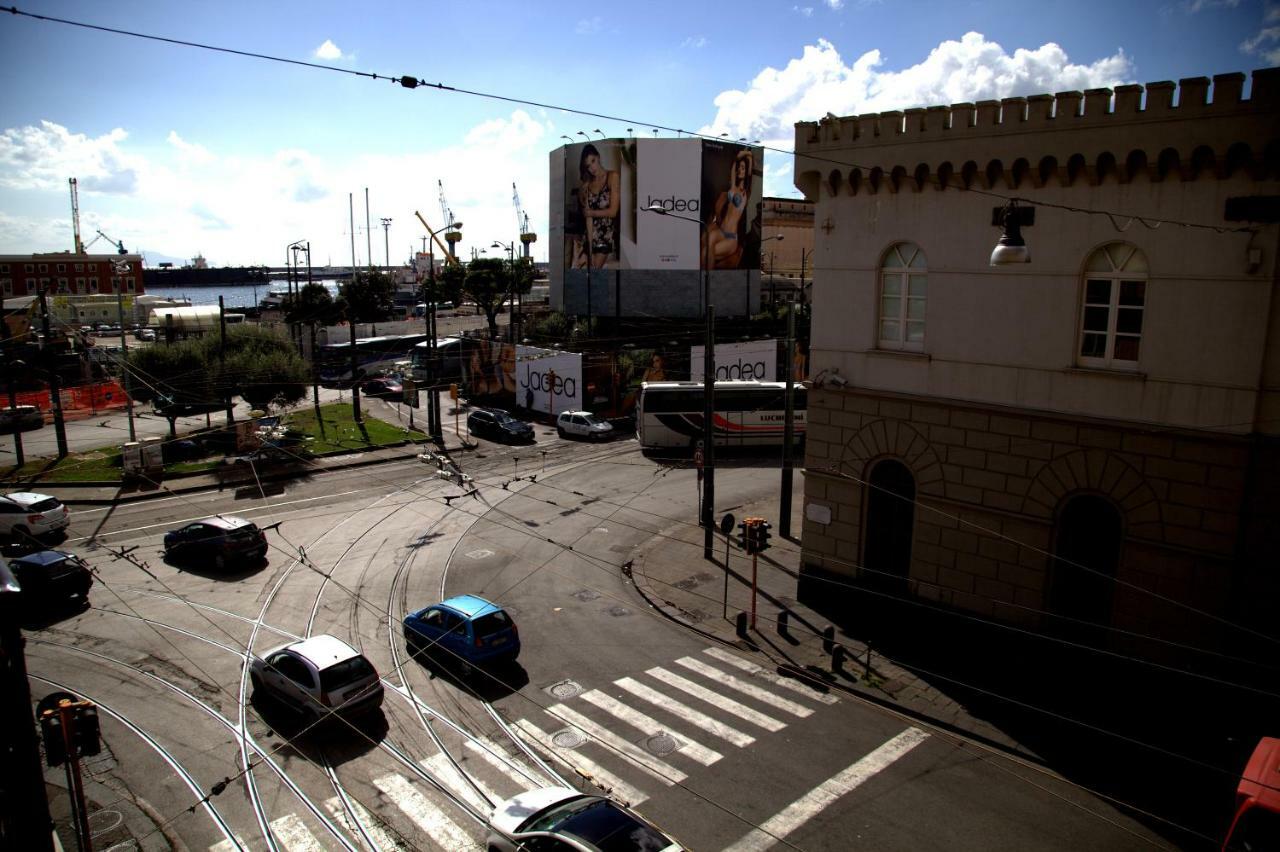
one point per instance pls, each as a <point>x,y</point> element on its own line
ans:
<point>255,681</point>
<point>20,533</point>
<point>561,432</point>
<point>219,561</point>
<point>465,669</point>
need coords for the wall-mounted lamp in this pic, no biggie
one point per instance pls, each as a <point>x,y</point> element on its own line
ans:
<point>1012,248</point>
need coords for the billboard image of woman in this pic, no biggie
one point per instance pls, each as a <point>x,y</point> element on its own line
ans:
<point>592,202</point>
<point>731,192</point>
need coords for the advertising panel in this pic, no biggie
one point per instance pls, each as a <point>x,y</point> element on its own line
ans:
<point>549,383</point>
<point>668,173</point>
<point>598,222</point>
<point>732,188</point>
<point>752,361</point>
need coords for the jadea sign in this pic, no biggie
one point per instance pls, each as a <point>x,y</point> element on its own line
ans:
<point>551,383</point>
<point>753,361</point>
<point>668,174</point>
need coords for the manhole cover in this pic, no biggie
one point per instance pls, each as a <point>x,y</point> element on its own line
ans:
<point>568,738</point>
<point>586,595</point>
<point>618,611</point>
<point>564,689</point>
<point>660,744</point>
<point>479,554</point>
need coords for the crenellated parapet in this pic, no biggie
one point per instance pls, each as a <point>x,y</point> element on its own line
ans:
<point>1124,134</point>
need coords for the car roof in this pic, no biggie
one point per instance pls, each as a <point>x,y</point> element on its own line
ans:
<point>471,606</point>
<point>44,557</point>
<point>226,522</point>
<point>572,413</point>
<point>323,650</point>
<point>26,497</point>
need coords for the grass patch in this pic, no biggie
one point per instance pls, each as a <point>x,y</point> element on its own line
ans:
<point>335,431</point>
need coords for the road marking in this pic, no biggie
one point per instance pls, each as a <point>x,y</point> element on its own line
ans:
<point>762,695</point>
<point>688,714</point>
<point>650,726</point>
<point>812,803</point>
<point>580,763</point>
<point>373,826</point>
<point>289,831</point>
<point>716,699</point>
<point>751,668</point>
<point>446,773</point>
<point>444,831</point>
<point>495,756</point>
<point>660,770</point>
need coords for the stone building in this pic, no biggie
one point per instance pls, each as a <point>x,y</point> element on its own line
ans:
<point>1086,439</point>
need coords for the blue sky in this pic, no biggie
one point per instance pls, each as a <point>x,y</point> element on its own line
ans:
<point>179,151</point>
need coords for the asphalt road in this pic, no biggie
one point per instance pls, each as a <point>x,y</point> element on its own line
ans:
<point>607,694</point>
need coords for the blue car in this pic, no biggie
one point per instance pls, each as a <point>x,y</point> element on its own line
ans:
<point>466,631</point>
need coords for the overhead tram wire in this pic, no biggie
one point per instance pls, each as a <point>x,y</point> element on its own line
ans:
<point>410,82</point>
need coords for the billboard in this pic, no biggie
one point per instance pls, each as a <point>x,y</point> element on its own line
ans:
<point>753,360</point>
<point>713,190</point>
<point>548,381</point>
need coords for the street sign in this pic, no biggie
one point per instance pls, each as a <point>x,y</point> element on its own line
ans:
<point>726,523</point>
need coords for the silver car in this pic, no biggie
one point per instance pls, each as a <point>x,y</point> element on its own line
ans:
<point>25,514</point>
<point>583,424</point>
<point>563,818</point>
<point>317,676</point>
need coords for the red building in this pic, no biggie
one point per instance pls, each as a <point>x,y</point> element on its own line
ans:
<point>67,274</point>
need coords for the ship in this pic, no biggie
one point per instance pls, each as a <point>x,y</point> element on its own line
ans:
<point>198,273</point>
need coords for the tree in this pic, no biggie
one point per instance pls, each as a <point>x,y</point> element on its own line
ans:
<point>449,284</point>
<point>311,306</point>
<point>486,283</point>
<point>369,297</point>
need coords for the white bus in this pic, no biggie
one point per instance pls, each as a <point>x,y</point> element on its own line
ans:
<point>669,414</point>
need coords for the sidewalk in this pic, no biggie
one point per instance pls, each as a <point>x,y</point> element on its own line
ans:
<point>672,576</point>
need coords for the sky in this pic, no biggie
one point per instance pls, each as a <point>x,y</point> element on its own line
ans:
<point>179,150</point>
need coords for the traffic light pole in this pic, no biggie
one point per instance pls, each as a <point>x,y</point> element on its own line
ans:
<point>75,783</point>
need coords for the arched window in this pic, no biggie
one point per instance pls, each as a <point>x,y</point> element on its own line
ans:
<point>1111,312</point>
<point>1086,553</point>
<point>904,284</point>
<point>889,527</point>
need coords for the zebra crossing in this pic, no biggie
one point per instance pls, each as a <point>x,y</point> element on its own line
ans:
<point>613,737</point>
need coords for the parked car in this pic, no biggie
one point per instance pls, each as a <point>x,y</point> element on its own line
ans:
<point>466,631</point>
<point>183,449</point>
<point>318,675</point>
<point>20,418</point>
<point>387,387</point>
<point>145,334</point>
<point>498,425</point>
<point>583,424</point>
<point>221,540</point>
<point>51,577</point>
<point>25,515</point>
<point>563,818</point>
<point>167,406</point>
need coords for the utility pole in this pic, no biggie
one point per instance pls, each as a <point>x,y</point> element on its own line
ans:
<point>124,358</point>
<point>355,387</point>
<point>13,393</point>
<point>788,430</point>
<point>386,241</point>
<point>368,234</point>
<point>708,425</point>
<point>222,359</point>
<point>55,386</point>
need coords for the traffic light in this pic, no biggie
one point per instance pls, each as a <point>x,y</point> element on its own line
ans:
<point>755,535</point>
<point>744,535</point>
<point>86,735</point>
<point>762,535</point>
<point>55,749</point>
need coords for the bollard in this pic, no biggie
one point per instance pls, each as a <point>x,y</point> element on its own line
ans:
<point>828,638</point>
<point>741,624</point>
<point>837,658</point>
<point>784,616</point>
<point>866,670</point>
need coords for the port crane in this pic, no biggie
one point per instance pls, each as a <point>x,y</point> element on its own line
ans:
<point>451,233</point>
<point>527,236</point>
<point>75,215</point>
<point>448,253</point>
<point>120,249</point>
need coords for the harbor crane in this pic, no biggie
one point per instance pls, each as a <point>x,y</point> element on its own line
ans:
<point>449,256</point>
<point>75,215</point>
<point>527,236</point>
<point>451,233</point>
<point>119,244</point>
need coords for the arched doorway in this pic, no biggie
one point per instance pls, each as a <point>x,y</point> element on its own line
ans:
<point>889,526</point>
<point>1086,554</point>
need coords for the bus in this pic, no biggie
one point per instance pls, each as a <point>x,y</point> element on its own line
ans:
<point>373,354</point>
<point>669,414</point>
<point>451,352</point>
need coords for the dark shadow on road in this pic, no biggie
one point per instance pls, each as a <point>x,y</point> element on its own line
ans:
<point>231,574</point>
<point>488,683</point>
<point>338,738</point>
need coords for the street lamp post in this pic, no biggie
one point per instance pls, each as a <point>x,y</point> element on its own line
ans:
<point>386,242</point>
<point>708,390</point>
<point>773,305</point>
<point>511,281</point>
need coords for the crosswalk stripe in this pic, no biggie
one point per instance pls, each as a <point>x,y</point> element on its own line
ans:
<point>229,845</point>
<point>377,831</point>
<point>762,695</point>
<point>447,774</point>
<point>688,714</point>
<point>772,677</point>
<point>444,831</point>
<point>650,726</point>
<point>664,772</point>
<point>714,698</point>
<point>497,757</point>
<point>812,803</point>
<point>294,835</point>
<point>581,764</point>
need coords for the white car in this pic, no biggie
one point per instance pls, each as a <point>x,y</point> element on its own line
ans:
<point>317,676</point>
<point>25,514</point>
<point>583,424</point>
<point>563,818</point>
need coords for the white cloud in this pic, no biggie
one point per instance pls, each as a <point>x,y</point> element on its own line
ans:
<point>328,50</point>
<point>806,11</point>
<point>835,5</point>
<point>589,26</point>
<point>44,157</point>
<point>192,152</point>
<point>1194,6</point>
<point>694,41</point>
<point>1265,45</point>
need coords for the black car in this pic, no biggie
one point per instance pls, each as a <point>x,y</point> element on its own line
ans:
<point>51,577</point>
<point>498,425</point>
<point>387,387</point>
<point>220,540</point>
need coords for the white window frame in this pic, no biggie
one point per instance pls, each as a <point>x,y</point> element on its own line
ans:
<point>7,285</point>
<point>894,309</point>
<point>1122,264</point>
